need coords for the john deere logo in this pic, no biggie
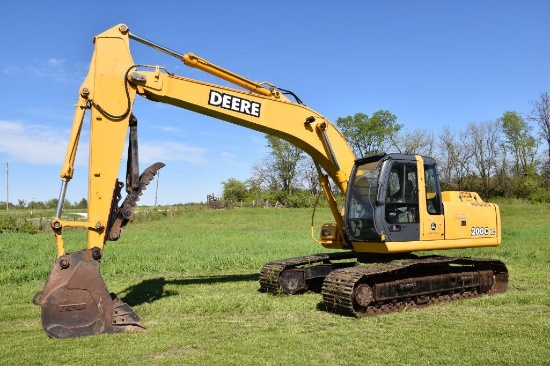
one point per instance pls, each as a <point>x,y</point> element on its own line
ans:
<point>233,103</point>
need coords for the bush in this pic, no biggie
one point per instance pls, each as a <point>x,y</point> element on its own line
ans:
<point>10,224</point>
<point>149,214</point>
<point>157,213</point>
<point>540,195</point>
<point>301,199</point>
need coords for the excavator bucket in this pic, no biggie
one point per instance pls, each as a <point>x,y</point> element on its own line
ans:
<point>75,301</point>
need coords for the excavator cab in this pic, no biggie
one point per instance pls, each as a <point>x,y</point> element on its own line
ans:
<point>394,207</point>
<point>383,197</point>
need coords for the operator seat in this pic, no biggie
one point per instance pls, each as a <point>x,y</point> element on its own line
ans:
<point>410,193</point>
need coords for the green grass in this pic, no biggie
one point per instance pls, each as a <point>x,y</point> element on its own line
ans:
<point>193,278</point>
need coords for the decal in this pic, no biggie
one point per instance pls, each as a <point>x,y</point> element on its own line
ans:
<point>72,307</point>
<point>233,103</point>
<point>477,231</point>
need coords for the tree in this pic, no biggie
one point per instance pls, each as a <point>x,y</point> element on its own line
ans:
<point>454,157</point>
<point>310,175</point>
<point>419,141</point>
<point>51,203</point>
<point>83,204</point>
<point>254,186</point>
<point>520,142</point>
<point>234,190</point>
<point>283,162</point>
<point>487,158</point>
<point>523,148</point>
<point>36,205</point>
<point>263,177</point>
<point>369,135</point>
<point>4,205</point>
<point>541,114</point>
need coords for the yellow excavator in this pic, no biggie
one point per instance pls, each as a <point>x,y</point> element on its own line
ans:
<point>394,205</point>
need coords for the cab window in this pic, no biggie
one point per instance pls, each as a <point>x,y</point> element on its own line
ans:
<point>402,194</point>
<point>433,194</point>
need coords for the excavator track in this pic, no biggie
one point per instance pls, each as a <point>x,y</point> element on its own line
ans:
<point>370,289</point>
<point>301,274</point>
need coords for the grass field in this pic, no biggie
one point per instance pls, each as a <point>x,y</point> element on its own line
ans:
<point>193,278</point>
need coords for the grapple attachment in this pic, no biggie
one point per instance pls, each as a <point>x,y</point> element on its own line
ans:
<point>75,301</point>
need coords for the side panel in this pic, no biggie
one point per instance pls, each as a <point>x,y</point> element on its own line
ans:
<point>467,225</point>
<point>472,220</point>
<point>415,246</point>
<point>432,227</point>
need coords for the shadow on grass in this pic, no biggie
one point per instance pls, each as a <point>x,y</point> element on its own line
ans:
<point>151,290</point>
<point>321,306</point>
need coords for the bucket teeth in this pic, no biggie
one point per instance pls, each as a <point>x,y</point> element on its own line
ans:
<point>124,315</point>
<point>75,301</point>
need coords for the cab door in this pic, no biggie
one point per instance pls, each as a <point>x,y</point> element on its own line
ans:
<point>432,219</point>
<point>401,219</point>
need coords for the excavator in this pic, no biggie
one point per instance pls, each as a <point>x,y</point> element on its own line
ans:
<point>393,206</point>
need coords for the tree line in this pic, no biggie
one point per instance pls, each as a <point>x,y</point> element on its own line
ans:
<point>503,157</point>
<point>41,205</point>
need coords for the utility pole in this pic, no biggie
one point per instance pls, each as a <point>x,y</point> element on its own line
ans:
<point>157,189</point>
<point>7,187</point>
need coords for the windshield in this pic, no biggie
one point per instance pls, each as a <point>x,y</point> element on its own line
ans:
<point>361,201</point>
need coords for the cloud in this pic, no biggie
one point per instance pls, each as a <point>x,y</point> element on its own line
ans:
<point>151,152</point>
<point>227,157</point>
<point>33,144</point>
<point>169,129</point>
<point>48,113</point>
<point>55,62</point>
<point>52,69</point>
<point>40,145</point>
<point>11,70</point>
<point>7,127</point>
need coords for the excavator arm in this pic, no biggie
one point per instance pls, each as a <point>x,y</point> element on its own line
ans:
<point>75,301</point>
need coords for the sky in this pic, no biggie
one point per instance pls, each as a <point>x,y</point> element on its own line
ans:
<point>432,63</point>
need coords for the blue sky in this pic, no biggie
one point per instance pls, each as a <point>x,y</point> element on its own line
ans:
<point>432,63</point>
